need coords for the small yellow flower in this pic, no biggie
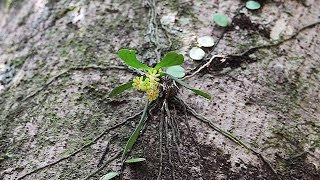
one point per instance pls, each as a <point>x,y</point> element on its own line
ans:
<point>153,76</point>
<point>138,82</point>
<point>145,84</point>
<point>152,94</point>
<point>149,84</point>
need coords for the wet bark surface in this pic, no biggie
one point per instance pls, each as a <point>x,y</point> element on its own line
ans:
<point>58,62</point>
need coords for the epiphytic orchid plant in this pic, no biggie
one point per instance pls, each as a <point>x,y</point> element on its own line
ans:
<point>149,82</point>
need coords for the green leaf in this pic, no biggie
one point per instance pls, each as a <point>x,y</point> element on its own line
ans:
<point>135,160</point>
<point>134,136</point>
<point>201,93</point>
<point>176,71</point>
<point>120,89</point>
<point>110,175</point>
<point>197,91</point>
<point>170,59</point>
<point>221,19</point>
<point>253,5</point>
<point>130,58</point>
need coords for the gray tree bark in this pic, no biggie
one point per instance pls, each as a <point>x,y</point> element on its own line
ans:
<point>58,62</point>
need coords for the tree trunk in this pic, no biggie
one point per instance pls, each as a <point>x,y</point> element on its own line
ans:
<point>58,63</point>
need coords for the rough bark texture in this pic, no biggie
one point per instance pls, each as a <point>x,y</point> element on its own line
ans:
<point>52,103</point>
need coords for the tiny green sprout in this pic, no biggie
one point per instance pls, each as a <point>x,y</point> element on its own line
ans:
<point>253,5</point>
<point>221,19</point>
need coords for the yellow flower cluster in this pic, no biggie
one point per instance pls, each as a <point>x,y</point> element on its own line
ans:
<point>149,84</point>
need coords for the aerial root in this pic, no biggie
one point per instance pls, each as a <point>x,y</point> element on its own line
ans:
<point>94,67</point>
<point>189,130</point>
<point>206,65</point>
<point>229,136</point>
<point>187,123</point>
<point>175,134</point>
<point>168,119</point>
<point>153,27</point>
<point>276,43</point>
<point>105,152</point>
<point>81,148</point>
<point>104,165</point>
<point>168,144</point>
<point>175,125</point>
<point>162,116</point>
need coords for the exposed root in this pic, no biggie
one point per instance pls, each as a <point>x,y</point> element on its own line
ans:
<point>205,65</point>
<point>162,116</point>
<point>176,143</point>
<point>73,69</point>
<point>153,27</point>
<point>189,129</point>
<point>229,136</point>
<point>192,135</point>
<point>175,125</point>
<point>176,134</point>
<point>168,36</point>
<point>105,152</point>
<point>104,165</point>
<point>168,145</point>
<point>276,43</point>
<point>80,149</point>
<point>168,122</point>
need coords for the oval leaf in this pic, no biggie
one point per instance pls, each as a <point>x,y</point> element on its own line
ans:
<point>170,59</point>
<point>134,136</point>
<point>196,53</point>
<point>206,41</point>
<point>221,19</point>
<point>176,71</point>
<point>253,5</point>
<point>197,91</point>
<point>135,160</point>
<point>129,57</point>
<point>120,89</point>
<point>110,175</point>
